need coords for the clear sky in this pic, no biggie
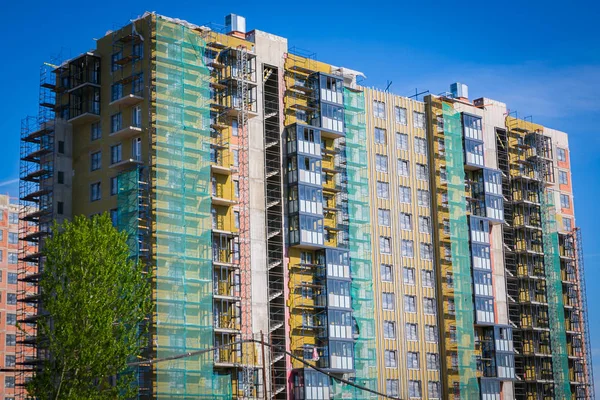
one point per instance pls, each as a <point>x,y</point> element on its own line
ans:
<point>541,58</point>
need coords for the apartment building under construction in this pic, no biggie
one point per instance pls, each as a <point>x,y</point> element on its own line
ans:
<point>379,244</point>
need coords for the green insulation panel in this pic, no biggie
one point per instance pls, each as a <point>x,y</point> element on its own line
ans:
<point>556,310</point>
<point>359,238</point>
<point>461,255</point>
<point>183,317</point>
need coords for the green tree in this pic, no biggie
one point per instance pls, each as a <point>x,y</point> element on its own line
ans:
<point>96,299</point>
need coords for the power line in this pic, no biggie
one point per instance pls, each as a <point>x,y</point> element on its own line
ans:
<point>278,348</point>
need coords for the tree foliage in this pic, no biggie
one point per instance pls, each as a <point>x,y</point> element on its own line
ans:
<point>96,299</point>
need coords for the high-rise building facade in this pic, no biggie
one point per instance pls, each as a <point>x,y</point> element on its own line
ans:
<point>9,254</point>
<point>375,242</point>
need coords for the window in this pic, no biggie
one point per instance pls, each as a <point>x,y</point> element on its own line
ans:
<point>236,189</point>
<point>426,251</point>
<point>136,149</point>
<point>383,217</point>
<point>234,128</point>
<point>412,360</point>
<point>11,339</point>
<point>427,277</point>
<point>60,207</point>
<point>390,359</point>
<point>9,361</point>
<point>562,178</point>
<point>564,201</point>
<point>405,221</point>
<point>380,137</point>
<point>116,153</point>
<point>453,334</point>
<point>61,147</point>
<point>385,244</point>
<point>95,191</point>
<point>12,259</point>
<point>96,133</point>
<point>12,276</point>
<point>115,122</point>
<point>389,329</point>
<point>138,50</point>
<point>60,177</point>
<point>431,333</point>
<point>567,224</point>
<point>410,303</point>
<point>11,298</point>
<point>391,387</point>
<point>381,163</point>
<point>414,389</point>
<point>411,332</point>
<point>96,161</point>
<point>418,120</point>
<point>403,169</point>
<point>423,197</point>
<point>9,382</point>
<point>13,218</point>
<point>114,185</point>
<point>13,238</point>
<point>11,319</point>
<point>136,116</point>
<point>561,154</point>
<point>383,190</point>
<point>404,193</point>
<point>114,58</point>
<point>114,216</point>
<point>408,275</point>
<point>379,109</point>
<point>420,146</point>
<point>422,172</point>
<point>387,300</point>
<point>400,114</point>
<point>433,361</point>
<point>386,272</point>
<point>433,387</point>
<point>472,127</point>
<point>236,158</point>
<point>116,91</point>
<point>401,141</point>
<point>443,175</point>
<point>407,248</point>
<point>424,225</point>
<point>454,360</point>
<point>428,305</point>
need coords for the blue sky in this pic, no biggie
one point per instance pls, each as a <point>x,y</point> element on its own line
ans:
<point>541,58</point>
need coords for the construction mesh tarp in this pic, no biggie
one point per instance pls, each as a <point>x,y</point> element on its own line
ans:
<point>556,313</point>
<point>359,238</point>
<point>461,256</point>
<point>182,217</point>
<point>128,221</point>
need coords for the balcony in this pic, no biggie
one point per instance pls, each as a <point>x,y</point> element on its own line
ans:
<point>126,164</point>
<point>226,290</point>
<point>127,132</point>
<point>84,112</point>
<point>127,100</point>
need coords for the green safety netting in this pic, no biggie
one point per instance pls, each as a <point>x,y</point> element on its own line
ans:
<point>461,256</point>
<point>182,216</point>
<point>556,313</point>
<point>359,238</point>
